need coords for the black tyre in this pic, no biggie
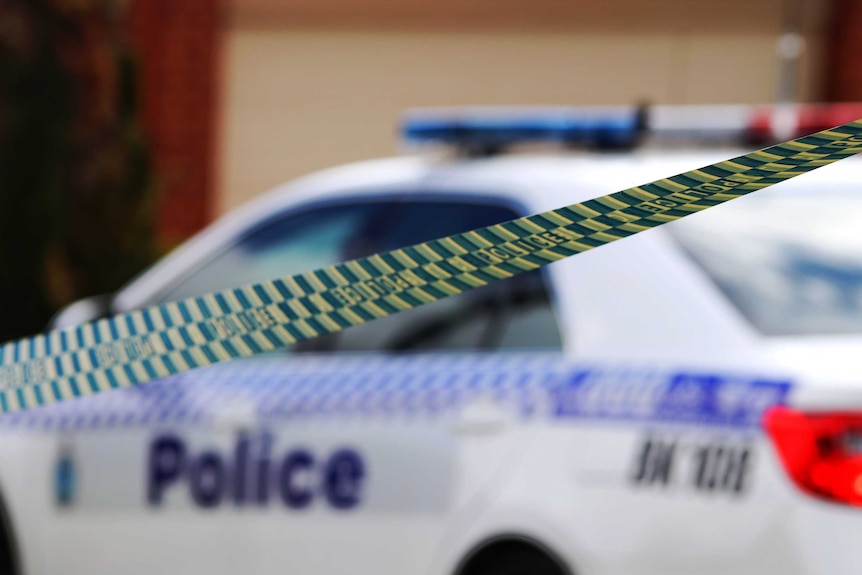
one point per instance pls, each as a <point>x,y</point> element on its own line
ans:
<point>9,561</point>
<point>513,558</point>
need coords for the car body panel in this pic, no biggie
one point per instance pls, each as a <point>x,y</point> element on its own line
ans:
<point>636,448</point>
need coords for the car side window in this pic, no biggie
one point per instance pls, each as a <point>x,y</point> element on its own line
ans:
<point>511,314</point>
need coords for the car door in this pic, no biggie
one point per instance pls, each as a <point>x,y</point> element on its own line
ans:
<point>414,465</point>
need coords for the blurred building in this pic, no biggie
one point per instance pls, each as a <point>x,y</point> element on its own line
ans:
<point>251,93</point>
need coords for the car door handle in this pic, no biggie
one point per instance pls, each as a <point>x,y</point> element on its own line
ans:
<point>482,416</point>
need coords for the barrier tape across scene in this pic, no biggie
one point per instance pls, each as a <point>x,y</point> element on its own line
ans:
<point>148,344</point>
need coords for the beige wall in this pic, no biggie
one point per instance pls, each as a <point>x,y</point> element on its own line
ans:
<point>301,95</point>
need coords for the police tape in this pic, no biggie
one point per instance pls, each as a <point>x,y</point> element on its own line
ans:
<point>148,344</point>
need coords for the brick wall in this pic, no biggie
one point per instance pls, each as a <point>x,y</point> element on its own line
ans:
<point>178,47</point>
<point>844,70</point>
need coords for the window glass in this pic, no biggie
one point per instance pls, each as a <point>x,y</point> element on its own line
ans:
<point>791,263</point>
<point>288,245</point>
<point>514,313</point>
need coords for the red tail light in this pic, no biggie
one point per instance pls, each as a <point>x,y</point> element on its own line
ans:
<point>821,452</point>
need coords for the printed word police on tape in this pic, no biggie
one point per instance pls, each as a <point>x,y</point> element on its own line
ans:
<point>148,344</point>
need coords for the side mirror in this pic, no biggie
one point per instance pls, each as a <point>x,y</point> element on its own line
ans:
<point>83,311</point>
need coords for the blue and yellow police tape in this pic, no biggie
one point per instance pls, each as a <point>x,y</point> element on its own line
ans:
<point>148,344</point>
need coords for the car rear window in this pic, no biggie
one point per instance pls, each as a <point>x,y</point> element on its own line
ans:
<point>791,262</point>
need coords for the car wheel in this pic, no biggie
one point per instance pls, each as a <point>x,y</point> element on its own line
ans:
<point>9,562</point>
<point>513,558</point>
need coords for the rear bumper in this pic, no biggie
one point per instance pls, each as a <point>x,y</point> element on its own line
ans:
<point>827,538</point>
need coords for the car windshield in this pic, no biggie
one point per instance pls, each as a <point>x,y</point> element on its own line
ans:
<point>790,262</point>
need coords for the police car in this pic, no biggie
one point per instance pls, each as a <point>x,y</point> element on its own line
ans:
<point>687,401</point>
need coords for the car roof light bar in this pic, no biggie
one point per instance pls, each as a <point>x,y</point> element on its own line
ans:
<point>487,131</point>
<point>492,130</point>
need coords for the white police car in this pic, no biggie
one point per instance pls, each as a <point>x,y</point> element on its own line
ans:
<point>684,402</point>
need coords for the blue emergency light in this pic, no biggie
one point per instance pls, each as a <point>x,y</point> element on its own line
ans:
<point>488,130</point>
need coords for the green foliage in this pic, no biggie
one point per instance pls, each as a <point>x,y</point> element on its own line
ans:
<point>76,194</point>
